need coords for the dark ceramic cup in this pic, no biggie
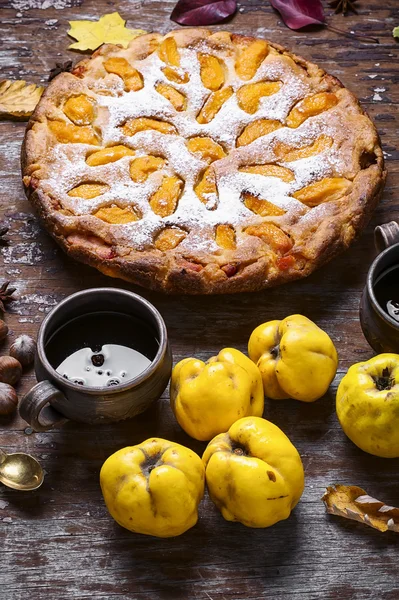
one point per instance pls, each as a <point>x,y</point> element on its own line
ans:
<point>55,399</point>
<point>380,330</point>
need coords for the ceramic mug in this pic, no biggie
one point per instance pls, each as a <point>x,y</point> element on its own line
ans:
<point>380,330</point>
<point>55,399</point>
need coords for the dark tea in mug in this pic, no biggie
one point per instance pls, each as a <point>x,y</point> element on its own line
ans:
<point>386,290</point>
<point>102,349</point>
<point>102,356</point>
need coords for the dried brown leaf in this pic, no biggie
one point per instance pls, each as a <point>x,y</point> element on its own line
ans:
<point>352,502</point>
<point>18,99</point>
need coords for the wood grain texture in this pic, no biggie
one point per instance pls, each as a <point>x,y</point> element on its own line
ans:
<point>59,542</point>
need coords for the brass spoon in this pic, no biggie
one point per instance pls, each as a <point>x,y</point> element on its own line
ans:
<point>20,471</point>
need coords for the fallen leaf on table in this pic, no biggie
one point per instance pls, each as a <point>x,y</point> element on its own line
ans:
<point>18,98</point>
<point>202,12</point>
<point>109,29</point>
<point>352,502</point>
<point>395,32</point>
<point>299,13</point>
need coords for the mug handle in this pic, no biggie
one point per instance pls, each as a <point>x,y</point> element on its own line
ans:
<point>36,410</point>
<point>386,235</point>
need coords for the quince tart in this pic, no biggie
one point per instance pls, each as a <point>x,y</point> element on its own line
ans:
<point>201,162</point>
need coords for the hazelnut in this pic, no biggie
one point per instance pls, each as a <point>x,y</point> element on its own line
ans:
<point>8,399</point>
<point>3,330</point>
<point>24,349</point>
<point>10,370</point>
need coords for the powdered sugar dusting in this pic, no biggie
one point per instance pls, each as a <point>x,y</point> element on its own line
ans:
<point>69,169</point>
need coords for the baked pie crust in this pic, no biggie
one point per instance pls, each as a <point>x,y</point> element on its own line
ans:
<point>201,162</point>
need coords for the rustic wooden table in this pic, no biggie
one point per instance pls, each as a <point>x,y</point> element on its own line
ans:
<point>59,542</point>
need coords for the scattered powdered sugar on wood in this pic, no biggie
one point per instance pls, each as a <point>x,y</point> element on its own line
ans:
<point>43,4</point>
<point>24,253</point>
<point>31,303</point>
<point>377,97</point>
<point>13,272</point>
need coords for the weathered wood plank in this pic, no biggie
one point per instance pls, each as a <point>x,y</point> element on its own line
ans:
<point>59,542</point>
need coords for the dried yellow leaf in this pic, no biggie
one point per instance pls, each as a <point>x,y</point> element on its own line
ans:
<point>352,502</point>
<point>18,98</point>
<point>109,29</point>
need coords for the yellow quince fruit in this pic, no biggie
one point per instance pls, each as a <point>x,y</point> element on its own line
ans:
<point>207,398</point>
<point>296,358</point>
<point>254,473</point>
<point>368,405</point>
<point>154,488</point>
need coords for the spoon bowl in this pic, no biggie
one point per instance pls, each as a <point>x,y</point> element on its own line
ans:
<point>20,471</point>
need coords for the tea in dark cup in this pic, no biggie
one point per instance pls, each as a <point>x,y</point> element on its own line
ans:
<point>386,290</point>
<point>379,306</point>
<point>102,349</point>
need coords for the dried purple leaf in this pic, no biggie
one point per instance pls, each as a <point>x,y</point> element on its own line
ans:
<point>202,12</point>
<point>299,13</point>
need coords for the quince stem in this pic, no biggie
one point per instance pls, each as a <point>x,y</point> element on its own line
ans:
<point>239,451</point>
<point>385,382</point>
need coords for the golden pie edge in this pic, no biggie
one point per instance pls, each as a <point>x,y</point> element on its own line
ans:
<point>170,273</point>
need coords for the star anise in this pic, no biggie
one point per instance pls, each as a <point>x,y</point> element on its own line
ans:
<point>65,67</point>
<point>343,6</point>
<point>6,295</point>
<point>3,230</point>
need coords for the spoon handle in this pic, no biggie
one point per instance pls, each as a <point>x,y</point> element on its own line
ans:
<point>3,456</point>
